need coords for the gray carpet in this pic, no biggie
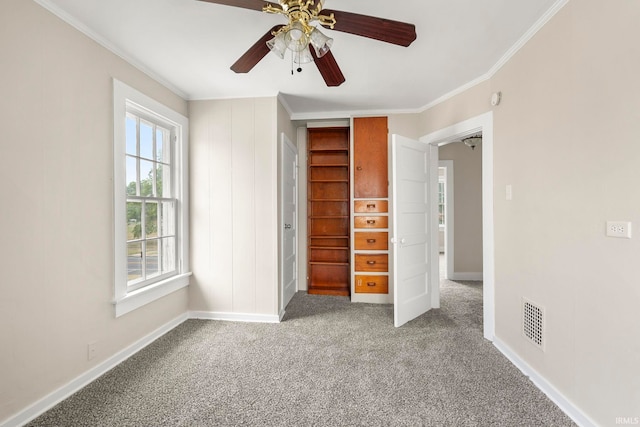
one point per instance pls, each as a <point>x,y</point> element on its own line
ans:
<point>329,363</point>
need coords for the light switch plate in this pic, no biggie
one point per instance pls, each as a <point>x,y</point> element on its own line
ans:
<point>509,192</point>
<point>619,229</point>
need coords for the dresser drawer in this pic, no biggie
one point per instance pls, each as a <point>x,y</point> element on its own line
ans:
<point>372,262</point>
<point>371,221</point>
<point>372,240</point>
<point>373,206</point>
<point>372,284</point>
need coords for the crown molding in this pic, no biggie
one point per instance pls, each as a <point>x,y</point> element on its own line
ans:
<point>321,115</point>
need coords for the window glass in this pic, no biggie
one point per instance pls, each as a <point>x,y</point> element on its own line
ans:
<point>132,176</point>
<point>134,261</point>
<point>151,209</point>
<point>146,178</point>
<point>131,140</point>
<point>146,140</point>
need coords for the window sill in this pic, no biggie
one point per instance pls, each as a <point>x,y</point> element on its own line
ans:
<point>143,296</point>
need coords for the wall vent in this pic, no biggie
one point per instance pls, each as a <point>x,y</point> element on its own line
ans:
<point>533,323</point>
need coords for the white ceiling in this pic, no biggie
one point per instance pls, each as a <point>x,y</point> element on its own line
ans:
<point>189,45</point>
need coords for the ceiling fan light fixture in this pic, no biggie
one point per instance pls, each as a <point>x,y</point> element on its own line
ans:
<point>472,141</point>
<point>303,57</point>
<point>296,38</point>
<point>278,45</point>
<point>320,42</point>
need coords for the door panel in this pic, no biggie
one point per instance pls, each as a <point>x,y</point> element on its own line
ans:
<point>413,229</point>
<point>289,222</point>
<point>370,157</point>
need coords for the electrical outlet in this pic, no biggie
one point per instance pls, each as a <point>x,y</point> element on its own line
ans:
<point>91,350</point>
<point>619,229</point>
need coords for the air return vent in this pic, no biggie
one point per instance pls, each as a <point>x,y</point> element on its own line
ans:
<point>533,323</point>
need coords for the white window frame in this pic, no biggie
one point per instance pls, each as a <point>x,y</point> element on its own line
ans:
<point>125,98</point>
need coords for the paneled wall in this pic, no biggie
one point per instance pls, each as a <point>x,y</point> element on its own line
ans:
<point>234,149</point>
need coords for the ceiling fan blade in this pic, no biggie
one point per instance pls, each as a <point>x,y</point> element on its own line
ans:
<point>385,30</point>
<point>246,4</point>
<point>328,68</point>
<point>251,57</point>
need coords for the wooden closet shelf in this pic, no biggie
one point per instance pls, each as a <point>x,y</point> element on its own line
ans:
<point>328,263</point>
<point>331,165</point>
<point>339,248</point>
<point>319,236</point>
<point>329,180</point>
<point>328,200</point>
<point>329,150</point>
<point>329,216</point>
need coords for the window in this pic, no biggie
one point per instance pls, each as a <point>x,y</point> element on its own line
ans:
<point>151,199</point>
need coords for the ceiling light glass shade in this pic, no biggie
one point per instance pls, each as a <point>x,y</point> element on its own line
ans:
<point>303,57</point>
<point>296,39</point>
<point>321,43</point>
<point>278,45</point>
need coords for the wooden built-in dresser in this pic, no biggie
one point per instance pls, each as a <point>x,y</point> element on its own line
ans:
<point>370,219</point>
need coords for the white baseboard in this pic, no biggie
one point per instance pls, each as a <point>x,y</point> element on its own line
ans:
<point>235,317</point>
<point>545,386</point>
<point>57,396</point>
<point>466,276</point>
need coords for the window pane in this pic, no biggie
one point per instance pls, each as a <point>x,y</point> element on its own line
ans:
<point>134,261</point>
<point>162,146</point>
<point>168,219</point>
<point>151,219</point>
<point>152,267</point>
<point>132,176</point>
<point>168,251</point>
<point>146,178</point>
<point>163,180</point>
<point>146,140</point>
<point>131,136</point>
<point>134,220</point>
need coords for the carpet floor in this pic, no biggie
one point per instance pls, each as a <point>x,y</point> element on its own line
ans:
<point>329,363</point>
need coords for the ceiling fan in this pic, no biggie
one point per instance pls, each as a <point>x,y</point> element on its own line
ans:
<point>299,34</point>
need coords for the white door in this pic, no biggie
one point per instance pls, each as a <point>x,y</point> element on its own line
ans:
<point>415,228</point>
<point>288,223</point>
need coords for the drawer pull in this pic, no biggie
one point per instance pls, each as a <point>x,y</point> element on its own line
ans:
<point>371,240</point>
<point>371,283</point>
<point>371,205</point>
<point>359,168</point>
<point>371,262</point>
<point>371,221</point>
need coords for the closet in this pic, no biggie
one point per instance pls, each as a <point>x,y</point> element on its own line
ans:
<point>348,211</point>
<point>328,222</point>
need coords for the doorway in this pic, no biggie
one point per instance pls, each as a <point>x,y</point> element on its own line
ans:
<point>480,124</point>
<point>446,205</point>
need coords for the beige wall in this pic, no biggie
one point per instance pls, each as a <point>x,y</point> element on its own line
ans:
<point>56,166</point>
<point>467,202</point>
<point>234,207</point>
<point>565,138</point>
